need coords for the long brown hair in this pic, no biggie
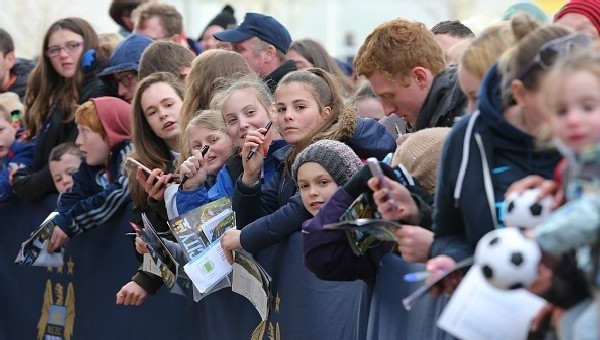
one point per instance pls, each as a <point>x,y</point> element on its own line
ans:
<point>46,87</point>
<point>208,71</point>
<point>326,91</point>
<point>150,150</point>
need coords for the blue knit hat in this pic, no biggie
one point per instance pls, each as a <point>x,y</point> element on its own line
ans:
<point>258,25</point>
<point>127,54</point>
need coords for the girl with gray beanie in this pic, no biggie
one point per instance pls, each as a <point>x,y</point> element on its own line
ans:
<point>320,169</point>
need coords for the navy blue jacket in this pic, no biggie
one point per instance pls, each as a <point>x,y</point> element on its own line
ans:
<point>90,202</point>
<point>467,203</point>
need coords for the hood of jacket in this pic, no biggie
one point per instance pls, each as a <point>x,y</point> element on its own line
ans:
<point>126,56</point>
<point>115,117</point>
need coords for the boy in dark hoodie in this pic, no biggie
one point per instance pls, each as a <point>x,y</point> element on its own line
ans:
<point>100,186</point>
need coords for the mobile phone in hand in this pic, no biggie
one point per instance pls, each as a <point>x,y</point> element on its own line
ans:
<point>376,171</point>
<point>133,164</point>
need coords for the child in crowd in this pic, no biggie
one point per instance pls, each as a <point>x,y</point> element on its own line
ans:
<point>572,96</point>
<point>14,152</point>
<point>156,130</point>
<point>321,169</point>
<point>64,162</point>
<point>245,104</point>
<point>309,107</point>
<point>100,186</point>
<point>206,129</point>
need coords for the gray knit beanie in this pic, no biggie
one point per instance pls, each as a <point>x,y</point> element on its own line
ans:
<point>337,158</point>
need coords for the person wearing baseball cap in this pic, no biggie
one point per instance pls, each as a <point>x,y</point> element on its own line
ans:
<point>121,74</point>
<point>263,42</point>
<point>582,16</point>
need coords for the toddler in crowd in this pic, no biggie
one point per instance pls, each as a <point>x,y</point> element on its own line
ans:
<point>572,96</point>
<point>64,162</point>
<point>14,153</point>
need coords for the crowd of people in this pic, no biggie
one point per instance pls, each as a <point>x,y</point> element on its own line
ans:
<point>468,117</point>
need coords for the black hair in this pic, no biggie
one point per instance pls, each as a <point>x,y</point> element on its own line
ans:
<point>453,27</point>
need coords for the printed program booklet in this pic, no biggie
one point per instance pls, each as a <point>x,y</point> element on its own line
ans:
<point>34,251</point>
<point>161,256</point>
<point>199,232</point>
<point>362,208</point>
<point>383,230</point>
<point>253,282</point>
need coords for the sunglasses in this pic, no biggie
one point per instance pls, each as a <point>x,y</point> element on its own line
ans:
<point>555,49</point>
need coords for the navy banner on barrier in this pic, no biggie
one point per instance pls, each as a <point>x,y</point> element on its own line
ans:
<point>77,300</point>
<point>388,319</point>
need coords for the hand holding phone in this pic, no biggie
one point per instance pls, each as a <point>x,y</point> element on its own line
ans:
<point>376,171</point>
<point>133,164</point>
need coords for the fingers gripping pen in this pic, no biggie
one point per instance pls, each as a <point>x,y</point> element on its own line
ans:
<point>254,149</point>
<point>203,152</point>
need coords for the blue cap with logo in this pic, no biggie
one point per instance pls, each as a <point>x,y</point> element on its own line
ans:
<point>261,26</point>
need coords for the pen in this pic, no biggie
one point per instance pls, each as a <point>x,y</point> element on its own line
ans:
<point>203,152</point>
<point>398,132</point>
<point>160,233</point>
<point>416,276</point>
<point>253,150</point>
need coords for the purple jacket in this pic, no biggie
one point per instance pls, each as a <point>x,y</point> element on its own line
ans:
<point>327,252</point>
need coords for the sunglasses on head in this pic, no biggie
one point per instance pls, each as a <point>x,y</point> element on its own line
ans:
<point>554,49</point>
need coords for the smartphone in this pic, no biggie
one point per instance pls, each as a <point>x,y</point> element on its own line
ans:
<point>132,164</point>
<point>376,171</point>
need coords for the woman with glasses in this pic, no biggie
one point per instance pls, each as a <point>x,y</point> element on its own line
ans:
<point>495,146</point>
<point>63,78</point>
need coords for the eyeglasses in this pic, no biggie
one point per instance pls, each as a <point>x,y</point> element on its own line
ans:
<point>125,79</point>
<point>69,47</point>
<point>555,49</point>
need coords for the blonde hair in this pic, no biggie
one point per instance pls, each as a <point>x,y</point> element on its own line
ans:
<point>209,70</point>
<point>585,60</point>
<point>210,119</point>
<point>529,39</point>
<point>484,50</point>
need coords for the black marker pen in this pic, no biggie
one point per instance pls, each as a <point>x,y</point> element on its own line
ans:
<point>203,152</point>
<point>253,150</point>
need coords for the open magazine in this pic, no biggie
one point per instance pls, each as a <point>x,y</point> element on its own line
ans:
<point>362,208</point>
<point>383,230</point>
<point>253,282</point>
<point>166,266</point>
<point>199,232</point>
<point>461,267</point>
<point>34,251</point>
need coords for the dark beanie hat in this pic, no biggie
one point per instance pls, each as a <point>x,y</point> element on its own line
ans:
<point>117,6</point>
<point>224,19</point>
<point>588,8</point>
<point>337,158</point>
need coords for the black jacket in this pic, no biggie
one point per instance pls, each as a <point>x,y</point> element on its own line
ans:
<point>21,70</point>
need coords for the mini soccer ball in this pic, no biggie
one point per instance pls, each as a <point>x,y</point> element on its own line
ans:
<point>524,211</point>
<point>508,259</point>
